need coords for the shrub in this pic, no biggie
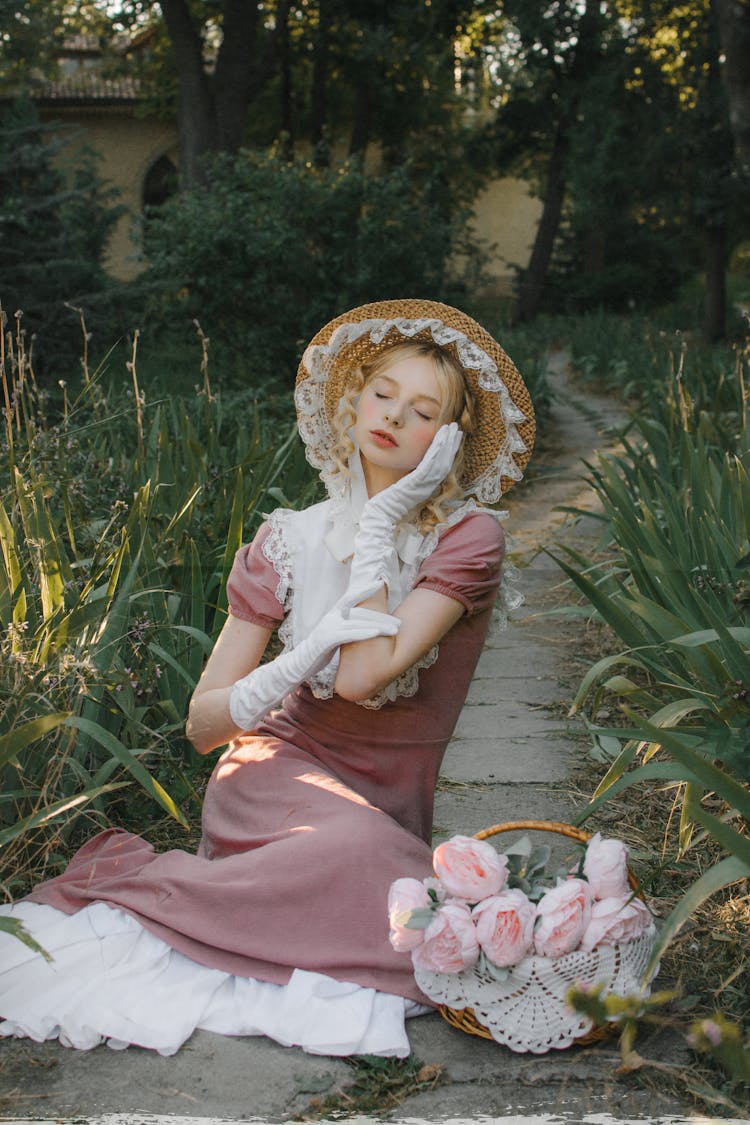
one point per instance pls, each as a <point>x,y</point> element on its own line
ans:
<point>54,223</point>
<point>268,251</point>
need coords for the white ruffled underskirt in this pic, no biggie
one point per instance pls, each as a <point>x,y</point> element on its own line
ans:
<point>111,981</point>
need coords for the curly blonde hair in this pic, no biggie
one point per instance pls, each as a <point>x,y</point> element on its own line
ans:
<point>457,406</point>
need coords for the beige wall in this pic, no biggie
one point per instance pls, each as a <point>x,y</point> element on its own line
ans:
<point>506,218</point>
<point>128,146</point>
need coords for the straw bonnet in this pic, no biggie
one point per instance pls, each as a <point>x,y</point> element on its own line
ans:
<point>494,455</point>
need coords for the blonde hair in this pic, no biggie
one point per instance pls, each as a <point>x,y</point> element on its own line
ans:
<point>457,405</point>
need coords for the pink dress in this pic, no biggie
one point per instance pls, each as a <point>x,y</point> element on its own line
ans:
<point>309,819</point>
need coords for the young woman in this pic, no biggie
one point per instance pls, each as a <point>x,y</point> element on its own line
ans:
<point>415,418</point>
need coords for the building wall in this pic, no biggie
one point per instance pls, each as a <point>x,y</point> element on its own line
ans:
<point>128,146</point>
<point>506,215</point>
<point>506,218</point>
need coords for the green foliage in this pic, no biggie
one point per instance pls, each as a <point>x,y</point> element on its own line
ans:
<point>650,359</point>
<point>528,346</point>
<point>715,1036</point>
<point>54,225</point>
<point>119,519</point>
<point>677,503</point>
<point>269,251</point>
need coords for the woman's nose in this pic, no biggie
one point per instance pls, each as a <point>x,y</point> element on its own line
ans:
<point>394,414</point>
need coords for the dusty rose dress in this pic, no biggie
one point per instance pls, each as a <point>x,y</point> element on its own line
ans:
<point>308,820</point>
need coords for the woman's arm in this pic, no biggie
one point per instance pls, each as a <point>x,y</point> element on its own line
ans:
<point>366,667</point>
<point>237,651</point>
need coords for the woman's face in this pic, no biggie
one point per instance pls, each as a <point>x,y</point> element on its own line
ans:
<point>398,415</point>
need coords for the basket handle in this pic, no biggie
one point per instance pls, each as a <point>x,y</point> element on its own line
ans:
<point>549,826</point>
<point>542,825</point>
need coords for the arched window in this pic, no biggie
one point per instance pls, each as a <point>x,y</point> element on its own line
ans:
<point>160,182</point>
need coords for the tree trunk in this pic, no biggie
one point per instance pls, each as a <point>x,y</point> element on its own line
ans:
<point>285,68</point>
<point>594,250</point>
<point>530,293</point>
<point>361,125</point>
<point>234,77</point>
<point>319,92</point>
<point>715,264</point>
<point>196,116</point>
<point>734,33</point>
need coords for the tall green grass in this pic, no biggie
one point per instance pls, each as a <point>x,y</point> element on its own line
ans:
<point>675,591</point>
<point>119,518</point>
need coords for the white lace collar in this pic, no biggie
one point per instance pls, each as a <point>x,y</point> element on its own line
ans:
<point>312,577</point>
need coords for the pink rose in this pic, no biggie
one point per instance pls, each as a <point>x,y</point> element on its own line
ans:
<point>563,914</point>
<point>614,920</point>
<point>405,895</point>
<point>469,869</point>
<point>605,865</point>
<point>450,941</point>
<point>505,927</point>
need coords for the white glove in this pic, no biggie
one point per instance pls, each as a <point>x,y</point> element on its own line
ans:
<point>374,544</point>
<point>256,694</point>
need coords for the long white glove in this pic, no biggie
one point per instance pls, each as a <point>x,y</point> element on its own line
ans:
<point>374,544</point>
<point>256,694</point>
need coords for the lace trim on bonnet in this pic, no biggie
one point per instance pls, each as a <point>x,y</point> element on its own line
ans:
<point>313,421</point>
<point>316,433</point>
<point>277,551</point>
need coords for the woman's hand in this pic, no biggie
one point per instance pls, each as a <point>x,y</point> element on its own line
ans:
<point>414,489</point>
<point>230,699</point>
<point>367,667</point>
<point>374,549</point>
<point>256,694</point>
<point>238,649</point>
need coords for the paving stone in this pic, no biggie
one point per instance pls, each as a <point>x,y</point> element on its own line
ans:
<point>462,808</point>
<point>524,758</point>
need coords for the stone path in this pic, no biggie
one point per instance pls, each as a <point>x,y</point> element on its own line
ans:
<point>511,758</point>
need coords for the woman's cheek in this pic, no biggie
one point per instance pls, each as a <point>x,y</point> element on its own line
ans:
<point>424,435</point>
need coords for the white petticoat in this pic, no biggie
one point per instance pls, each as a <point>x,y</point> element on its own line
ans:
<point>112,981</point>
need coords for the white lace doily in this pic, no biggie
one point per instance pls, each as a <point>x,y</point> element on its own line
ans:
<point>527,1011</point>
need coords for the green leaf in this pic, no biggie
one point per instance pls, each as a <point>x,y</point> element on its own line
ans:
<point>712,778</point>
<point>706,636</point>
<point>723,874</point>
<point>130,762</point>
<point>417,919</point>
<point>16,927</point>
<point>17,739</point>
<point>55,809</point>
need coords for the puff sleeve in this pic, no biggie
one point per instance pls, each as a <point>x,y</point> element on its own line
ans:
<point>253,585</point>
<point>466,563</point>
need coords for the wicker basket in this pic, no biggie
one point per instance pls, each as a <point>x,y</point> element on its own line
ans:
<point>538,984</point>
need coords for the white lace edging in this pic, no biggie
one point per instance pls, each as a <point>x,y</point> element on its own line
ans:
<point>276,549</point>
<point>315,428</point>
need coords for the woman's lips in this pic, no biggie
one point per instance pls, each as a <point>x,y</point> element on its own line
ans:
<point>380,437</point>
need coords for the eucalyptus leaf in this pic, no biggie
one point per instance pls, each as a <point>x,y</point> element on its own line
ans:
<point>417,919</point>
<point>486,966</point>
<point>520,847</point>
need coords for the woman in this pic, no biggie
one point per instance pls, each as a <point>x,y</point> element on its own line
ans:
<point>415,417</point>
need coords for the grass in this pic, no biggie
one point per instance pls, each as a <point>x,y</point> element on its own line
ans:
<point>379,1085</point>
<point>118,525</point>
